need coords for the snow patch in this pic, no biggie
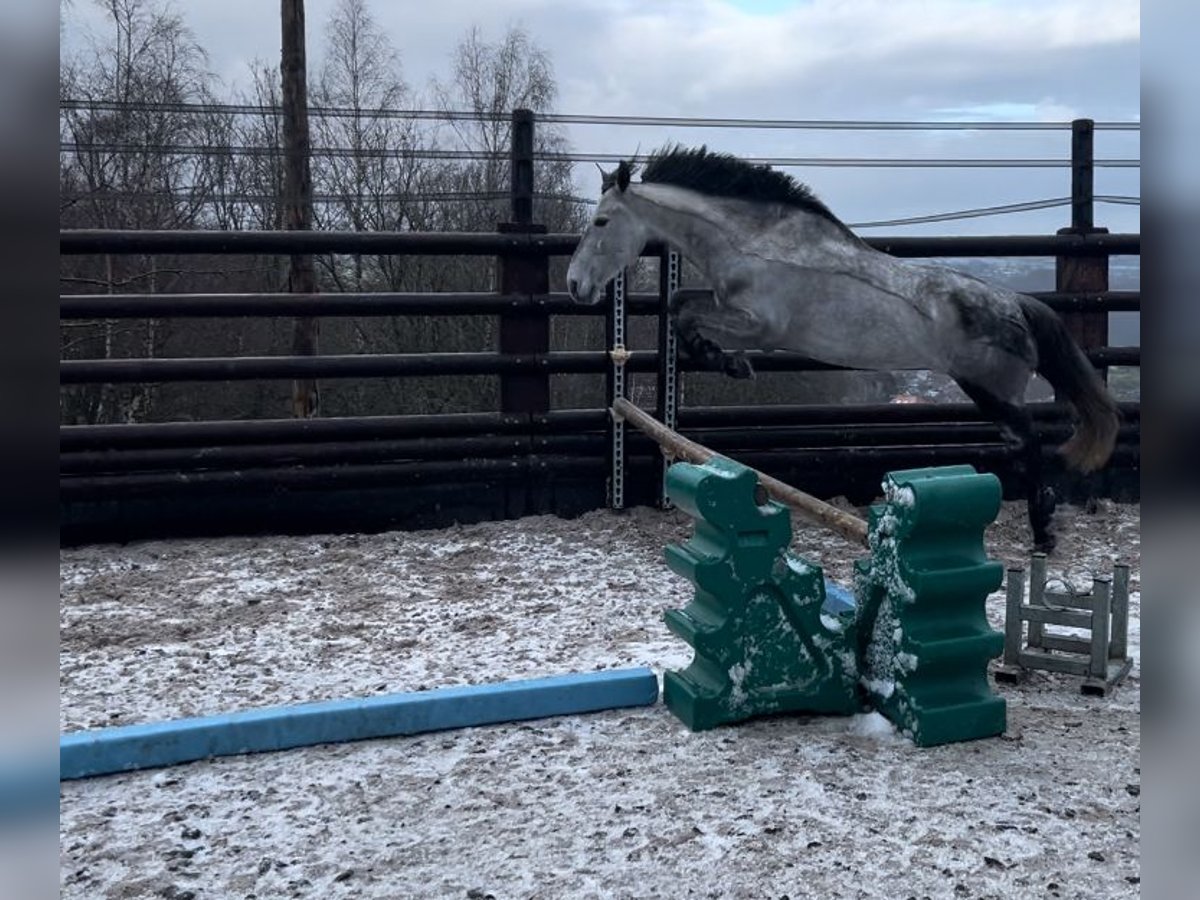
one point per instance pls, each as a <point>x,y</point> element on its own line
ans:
<point>253,585</point>
<point>831,623</point>
<point>884,687</point>
<point>900,495</point>
<point>737,676</point>
<point>871,725</point>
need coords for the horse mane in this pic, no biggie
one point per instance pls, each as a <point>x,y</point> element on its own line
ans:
<point>725,175</point>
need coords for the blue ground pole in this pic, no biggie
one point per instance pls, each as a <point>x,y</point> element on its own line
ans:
<point>837,598</point>
<point>109,750</point>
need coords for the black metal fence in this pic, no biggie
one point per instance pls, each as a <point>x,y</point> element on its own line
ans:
<point>364,473</point>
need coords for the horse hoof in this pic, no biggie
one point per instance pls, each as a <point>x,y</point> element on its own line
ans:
<point>1045,544</point>
<point>738,367</point>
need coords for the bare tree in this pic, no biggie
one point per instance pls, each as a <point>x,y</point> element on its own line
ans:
<point>148,148</point>
<point>260,167</point>
<point>368,179</point>
<point>130,155</point>
<point>490,80</point>
<point>129,165</point>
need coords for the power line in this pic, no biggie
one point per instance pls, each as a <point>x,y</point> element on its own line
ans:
<point>330,112</point>
<point>479,155</point>
<point>865,162</point>
<point>586,119</point>
<point>826,124</point>
<point>984,211</point>
<point>978,212</point>
<point>245,150</point>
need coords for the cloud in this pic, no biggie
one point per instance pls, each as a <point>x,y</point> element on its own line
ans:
<point>744,57</point>
<point>1045,110</point>
<point>720,50</point>
<point>1047,60</point>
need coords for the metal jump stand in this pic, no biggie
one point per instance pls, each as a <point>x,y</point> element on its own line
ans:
<point>1102,659</point>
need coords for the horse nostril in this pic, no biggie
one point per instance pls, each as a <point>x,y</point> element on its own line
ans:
<point>573,287</point>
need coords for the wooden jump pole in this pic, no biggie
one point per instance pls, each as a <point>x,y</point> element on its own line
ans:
<point>851,527</point>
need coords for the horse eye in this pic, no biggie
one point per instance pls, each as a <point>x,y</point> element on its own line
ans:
<point>600,221</point>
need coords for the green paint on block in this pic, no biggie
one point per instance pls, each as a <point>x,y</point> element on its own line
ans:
<point>762,644</point>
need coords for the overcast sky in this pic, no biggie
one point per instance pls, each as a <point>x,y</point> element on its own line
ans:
<point>1046,60</point>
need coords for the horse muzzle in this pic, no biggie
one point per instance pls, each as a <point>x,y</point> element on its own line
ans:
<point>582,291</point>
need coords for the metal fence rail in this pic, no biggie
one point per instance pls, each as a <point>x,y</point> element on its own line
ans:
<point>559,362</point>
<point>75,307</point>
<point>584,443</point>
<point>74,242</point>
<point>76,438</point>
<point>283,475</point>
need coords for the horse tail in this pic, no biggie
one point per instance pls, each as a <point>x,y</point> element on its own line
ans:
<point>1064,365</point>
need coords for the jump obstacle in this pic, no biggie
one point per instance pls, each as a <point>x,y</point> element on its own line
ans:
<point>770,634</point>
<point>1102,658</point>
<point>916,644</point>
<point>849,526</point>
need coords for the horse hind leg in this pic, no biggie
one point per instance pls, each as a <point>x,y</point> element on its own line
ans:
<point>1017,429</point>
<point>688,310</point>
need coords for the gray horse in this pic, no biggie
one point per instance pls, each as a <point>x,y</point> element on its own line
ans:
<point>787,274</point>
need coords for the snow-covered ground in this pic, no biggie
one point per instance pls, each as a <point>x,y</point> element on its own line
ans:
<point>620,804</point>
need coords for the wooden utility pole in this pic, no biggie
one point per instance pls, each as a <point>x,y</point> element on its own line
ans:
<point>297,191</point>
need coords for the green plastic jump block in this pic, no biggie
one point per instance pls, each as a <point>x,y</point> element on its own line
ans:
<point>924,637</point>
<point>763,642</point>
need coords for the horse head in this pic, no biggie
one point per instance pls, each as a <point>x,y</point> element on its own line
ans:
<point>614,239</point>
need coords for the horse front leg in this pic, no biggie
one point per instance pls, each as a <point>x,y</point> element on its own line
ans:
<point>706,329</point>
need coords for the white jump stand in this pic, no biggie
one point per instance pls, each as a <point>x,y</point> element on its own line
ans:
<point>1102,659</point>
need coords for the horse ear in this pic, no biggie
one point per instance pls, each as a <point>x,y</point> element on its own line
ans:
<point>623,173</point>
<point>607,179</point>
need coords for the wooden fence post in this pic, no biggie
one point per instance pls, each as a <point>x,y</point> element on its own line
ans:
<point>1084,274</point>
<point>525,331</point>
